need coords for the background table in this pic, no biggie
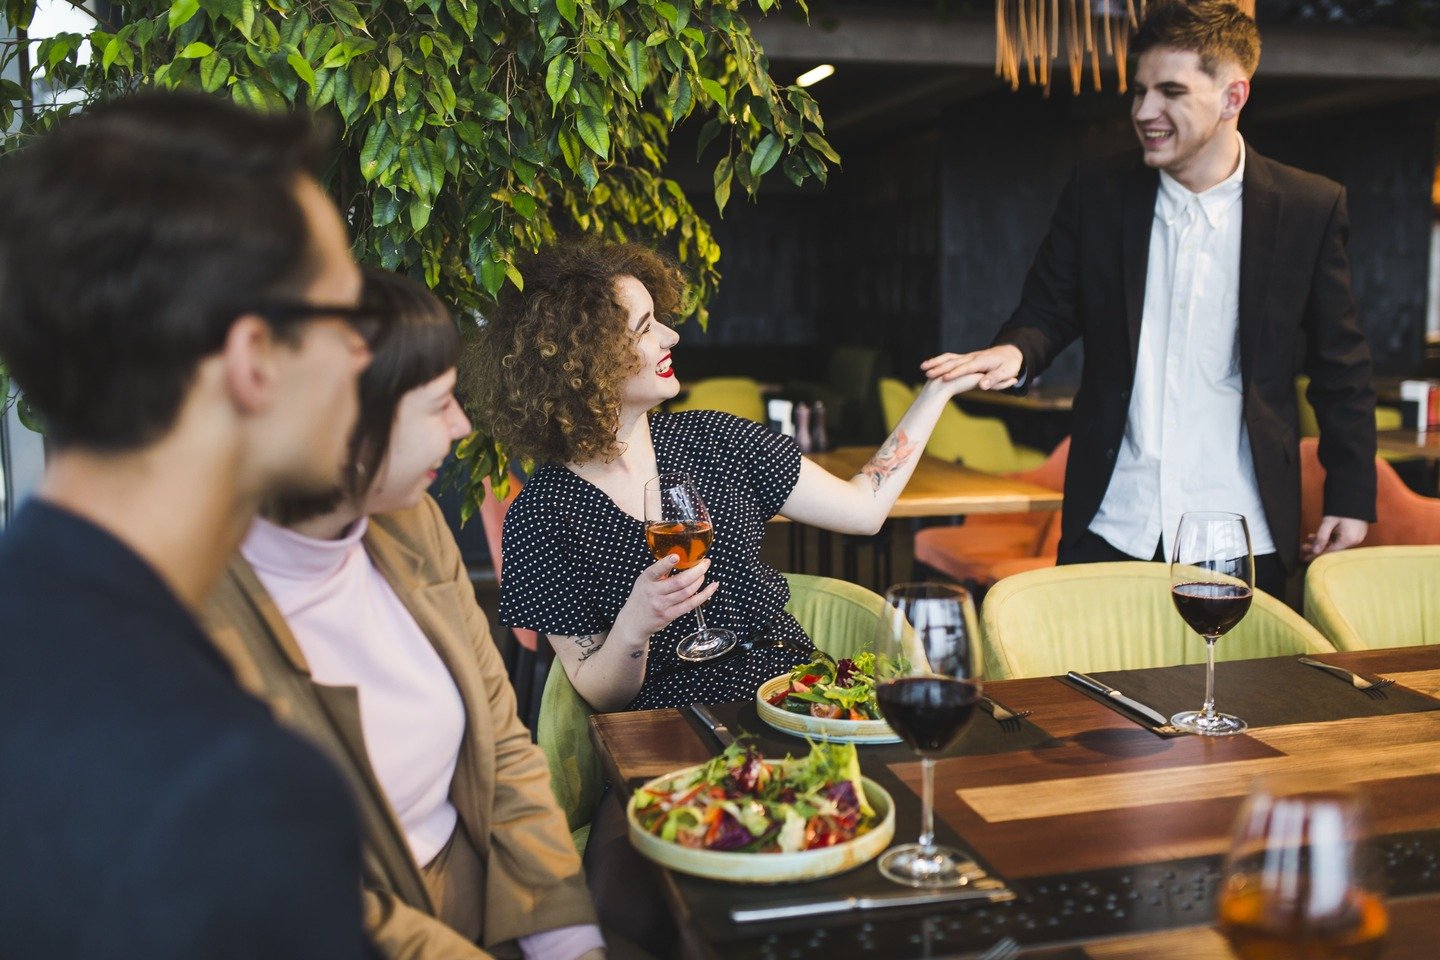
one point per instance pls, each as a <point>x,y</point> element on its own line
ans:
<point>1111,835</point>
<point>936,489</point>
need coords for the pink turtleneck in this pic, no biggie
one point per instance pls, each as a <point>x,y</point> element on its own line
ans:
<point>355,632</point>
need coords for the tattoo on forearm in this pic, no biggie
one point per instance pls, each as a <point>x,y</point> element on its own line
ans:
<point>589,646</point>
<point>637,654</point>
<point>892,455</point>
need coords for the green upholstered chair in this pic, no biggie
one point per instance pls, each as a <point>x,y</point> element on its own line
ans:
<point>839,616</point>
<point>563,733</point>
<point>738,395</point>
<point>1118,616</point>
<point>1368,597</point>
<point>979,442</point>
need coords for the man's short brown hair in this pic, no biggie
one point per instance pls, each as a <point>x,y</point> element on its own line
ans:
<point>1218,30</point>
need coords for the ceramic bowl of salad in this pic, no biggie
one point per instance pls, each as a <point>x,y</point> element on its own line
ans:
<point>743,819</point>
<point>826,700</point>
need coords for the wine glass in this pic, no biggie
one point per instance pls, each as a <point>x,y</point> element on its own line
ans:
<point>928,673</point>
<point>1300,879</point>
<point>1212,580</point>
<point>676,522</point>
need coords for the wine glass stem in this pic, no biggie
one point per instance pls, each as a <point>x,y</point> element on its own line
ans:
<point>1208,711</point>
<point>927,804</point>
<point>700,617</point>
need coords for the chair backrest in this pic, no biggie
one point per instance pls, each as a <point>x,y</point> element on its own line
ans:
<point>492,518</point>
<point>1368,597</point>
<point>1118,616</point>
<point>1051,473</point>
<point>563,732</point>
<point>839,616</point>
<point>735,395</point>
<point>1402,516</point>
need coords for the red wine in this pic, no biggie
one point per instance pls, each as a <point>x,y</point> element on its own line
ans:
<point>928,712</point>
<point>1211,609</point>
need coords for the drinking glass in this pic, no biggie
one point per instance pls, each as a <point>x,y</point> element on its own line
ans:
<point>676,522</point>
<point>1212,580</point>
<point>1300,879</point>
<point>928,673</point>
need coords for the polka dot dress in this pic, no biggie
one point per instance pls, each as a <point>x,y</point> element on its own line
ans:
<point>572,556</point>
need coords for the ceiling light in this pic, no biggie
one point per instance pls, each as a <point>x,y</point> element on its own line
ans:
<point>814,76</point>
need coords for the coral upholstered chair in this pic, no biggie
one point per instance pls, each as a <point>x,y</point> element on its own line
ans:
<point>987,547</point>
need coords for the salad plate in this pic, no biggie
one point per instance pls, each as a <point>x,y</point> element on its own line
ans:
<point>826,700</point>
<point>742,819</point>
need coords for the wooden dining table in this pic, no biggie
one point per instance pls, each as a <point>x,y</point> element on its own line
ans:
<point>936,489</point>
<point>1109,835</point>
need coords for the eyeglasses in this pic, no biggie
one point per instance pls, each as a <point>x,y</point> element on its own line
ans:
<point>371,325</point>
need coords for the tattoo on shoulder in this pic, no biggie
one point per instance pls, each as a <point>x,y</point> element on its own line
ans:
<point>589,646</point>
<point>892,455</point>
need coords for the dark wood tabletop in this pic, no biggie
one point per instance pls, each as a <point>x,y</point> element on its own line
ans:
<point>1110,834</point>
<point>1415,443</point>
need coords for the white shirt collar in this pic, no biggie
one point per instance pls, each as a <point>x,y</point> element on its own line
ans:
<point>1174,197</point>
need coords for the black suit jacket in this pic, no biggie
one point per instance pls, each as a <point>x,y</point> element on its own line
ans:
<point>1295,313</point>
<point>148,808</point>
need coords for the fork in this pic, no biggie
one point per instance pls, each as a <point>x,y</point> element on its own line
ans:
<point>1008,719</point>
<point>1374,689</point>
<point>1004,949</point>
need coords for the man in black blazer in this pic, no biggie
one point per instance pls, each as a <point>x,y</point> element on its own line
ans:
<point>1202,278</point>
<point>178,301</point>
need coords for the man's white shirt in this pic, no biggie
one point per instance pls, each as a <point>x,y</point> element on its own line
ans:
<point>1186,446</point>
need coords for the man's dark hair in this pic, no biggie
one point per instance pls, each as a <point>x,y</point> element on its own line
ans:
<point>131,238</point>
<point>1217,30</point>
<point>421,342</point>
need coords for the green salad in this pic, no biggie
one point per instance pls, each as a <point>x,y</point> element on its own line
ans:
<point>831,689</point>
<point>741,802</point>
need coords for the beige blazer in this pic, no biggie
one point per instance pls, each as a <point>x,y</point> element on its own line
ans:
<point>501,790</point>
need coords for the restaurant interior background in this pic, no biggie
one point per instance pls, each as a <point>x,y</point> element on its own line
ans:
<point>921,238</point>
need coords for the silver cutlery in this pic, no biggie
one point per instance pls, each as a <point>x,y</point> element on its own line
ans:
<point>1008,719</point>
<point>714,724</point>
<point>983,888</point>
<point>1159,722</point>
<point>1005,948</point>
<point>1374,689</point>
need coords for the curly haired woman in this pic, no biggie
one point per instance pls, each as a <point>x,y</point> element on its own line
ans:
<point>568,373</point>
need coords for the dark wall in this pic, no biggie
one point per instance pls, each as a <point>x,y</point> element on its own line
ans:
<point>921,243</point>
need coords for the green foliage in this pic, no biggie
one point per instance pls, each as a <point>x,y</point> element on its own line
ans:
<point>472,130</point>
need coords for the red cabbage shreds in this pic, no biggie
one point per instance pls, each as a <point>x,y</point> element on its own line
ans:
<point>747,778</point>
<point>728,834</point>
<point>844,673</point>
<point>846,802</point>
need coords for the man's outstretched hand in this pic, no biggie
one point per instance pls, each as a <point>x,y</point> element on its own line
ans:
<point>998,367</point>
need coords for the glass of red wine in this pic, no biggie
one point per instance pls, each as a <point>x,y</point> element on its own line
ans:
<point>928,664</point>
<point>677,522</point>
<point>1301,879</point>
<point>1212,580</point>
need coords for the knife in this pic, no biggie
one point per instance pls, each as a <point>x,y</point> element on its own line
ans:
<point>714,724</point>
<point>1095,686</point>
<point>986,888</point>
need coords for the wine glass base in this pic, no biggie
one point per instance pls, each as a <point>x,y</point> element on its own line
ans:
<point>706,644</point>
<point>930,868</point>
<point>1220,725</point>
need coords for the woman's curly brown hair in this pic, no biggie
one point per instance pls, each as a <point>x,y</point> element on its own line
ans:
<point>546,371</point>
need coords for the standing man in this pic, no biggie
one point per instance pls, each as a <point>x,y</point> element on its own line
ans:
<point>1196,276</point>
<point>178,300</point>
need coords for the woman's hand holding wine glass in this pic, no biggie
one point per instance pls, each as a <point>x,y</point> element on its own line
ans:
<point>678,531</point>
<point>662,594</point>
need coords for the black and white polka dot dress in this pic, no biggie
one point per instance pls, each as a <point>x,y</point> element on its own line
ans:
<point>572,557</point>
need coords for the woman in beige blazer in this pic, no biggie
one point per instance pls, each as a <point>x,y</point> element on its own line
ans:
<point>466,854</point>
